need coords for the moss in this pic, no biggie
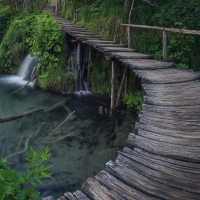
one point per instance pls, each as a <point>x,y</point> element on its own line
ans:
<point>57,80</point>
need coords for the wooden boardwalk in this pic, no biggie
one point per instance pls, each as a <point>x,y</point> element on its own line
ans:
<point>165,160</point>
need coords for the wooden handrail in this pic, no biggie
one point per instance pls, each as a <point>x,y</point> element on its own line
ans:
<point>164,31</point>
<point>176,30</point>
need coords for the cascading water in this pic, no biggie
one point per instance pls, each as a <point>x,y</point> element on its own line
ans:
<point>26,72</point>
<point>80,85</point>
<point>27,68</point>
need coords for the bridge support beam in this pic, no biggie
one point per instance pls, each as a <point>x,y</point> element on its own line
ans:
<point>164,45</point>
<point>112,96</point>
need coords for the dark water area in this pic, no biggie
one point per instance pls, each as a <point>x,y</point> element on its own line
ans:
<point>94,139</point>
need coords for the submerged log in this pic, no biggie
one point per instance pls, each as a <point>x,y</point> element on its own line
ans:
<point>30,112</point>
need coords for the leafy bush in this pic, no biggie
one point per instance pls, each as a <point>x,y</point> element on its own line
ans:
<point>32,33</point>
<point>12,183</point>
<point>134,100</point>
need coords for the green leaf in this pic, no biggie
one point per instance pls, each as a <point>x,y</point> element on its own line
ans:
<point>57,48</point>
<point>46,174</point>
<point>2,162</point>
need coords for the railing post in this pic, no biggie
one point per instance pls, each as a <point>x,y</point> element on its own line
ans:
<point>56,9</point>
<point>129,36</point>
<point>164,33</point>
<point>112,96</point>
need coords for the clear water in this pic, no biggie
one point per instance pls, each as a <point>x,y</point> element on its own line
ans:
<point>96,137</point>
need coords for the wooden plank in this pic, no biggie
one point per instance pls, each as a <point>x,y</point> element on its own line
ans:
<point>186,153</point>
<point>128,55</point>
<point>171,178</point>
<point>98,41</point>
<point>62,198</point>
<point>163,164</point>
<point>80,195</point>
<point>146,185</point>
<point>83,37</point>
<point>166,129</point>
<point>146,64</point>
<point>115,49</point>
<point>48,198</point>
<point>168,75</point>
<point>188,166</point>
<point>97,45</point>
<point>69,196</point>
<point>170,138</point>
<point>173,124</point>
<point>119,188</point>
<point>97,191</point>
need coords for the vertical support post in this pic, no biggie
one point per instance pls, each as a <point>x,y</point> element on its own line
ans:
<point>112,102</point>
<point>78,68</point>
<point>121,86</point>
<point>129,36</point>
<point>164,33</point>
<point>56,9</point>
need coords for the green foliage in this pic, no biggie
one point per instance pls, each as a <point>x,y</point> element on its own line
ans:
<point>179,48</point>
<point>12,182</point>
<point>151,44</point>
<point>38,33</point>
<point>100,74</point>
<point>177,14</point>
<point>134,100</point>
<point>20,5</point>
<point>5,18</point>
<point>94,16</point>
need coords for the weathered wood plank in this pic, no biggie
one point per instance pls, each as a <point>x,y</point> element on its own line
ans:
<point>164,129</point>
<point>170,139</point>
<point>99,46</point>
<point>128,55</point>
<point>146,185</point>
<point>163,164</point>
<point>168,75</point>
<point>175,151</point>
<point>69,196</point>
<point>172,178</point>
<point>98,41</point>
<point>173,124</point>
<point>63,198</point>
<point>146,64</point>
<point>80,195</point>
<point>97,191</point>
<point>120,188</point>
<point>115,49</point>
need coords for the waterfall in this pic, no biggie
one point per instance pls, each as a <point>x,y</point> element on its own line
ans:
<point>86,87</point>
<point>27,67</point>
<point>26,71</point>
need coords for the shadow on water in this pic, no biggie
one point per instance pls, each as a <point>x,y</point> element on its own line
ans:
<point>95,138</point>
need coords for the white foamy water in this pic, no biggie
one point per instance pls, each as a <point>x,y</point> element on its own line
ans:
<point>14,80</point>
<point>28,67</point>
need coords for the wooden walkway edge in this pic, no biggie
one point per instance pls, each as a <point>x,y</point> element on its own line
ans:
<point>165,160</point>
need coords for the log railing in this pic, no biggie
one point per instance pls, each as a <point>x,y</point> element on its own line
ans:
<point>164,31</point>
